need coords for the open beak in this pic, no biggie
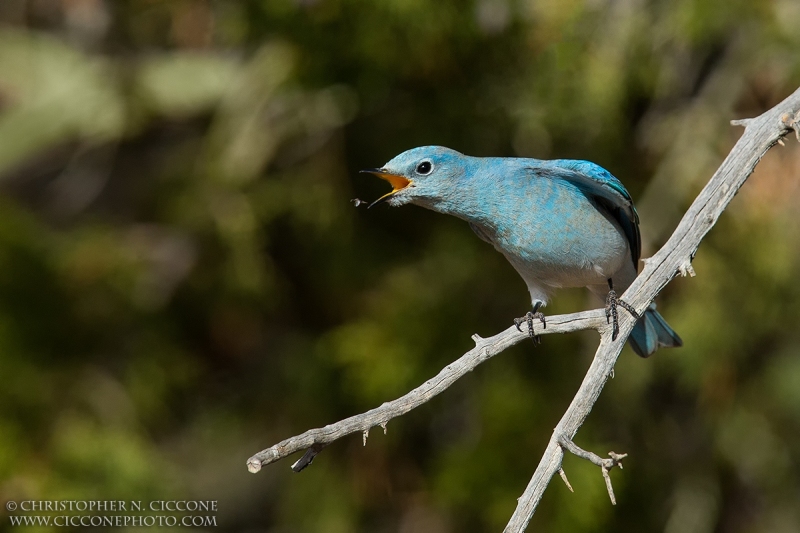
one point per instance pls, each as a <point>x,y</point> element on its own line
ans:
<point>398,183</point>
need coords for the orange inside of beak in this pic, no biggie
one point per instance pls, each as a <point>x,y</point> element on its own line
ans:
<point>397,182</point>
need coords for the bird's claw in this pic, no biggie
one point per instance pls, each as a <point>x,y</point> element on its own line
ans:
<point>612,301</point>
<point>528,318</point>
<point>629,308</point>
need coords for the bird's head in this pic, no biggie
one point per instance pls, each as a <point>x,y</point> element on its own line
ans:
<point>426,176</point>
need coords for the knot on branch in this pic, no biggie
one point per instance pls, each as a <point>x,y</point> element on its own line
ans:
<point>791,121</point>
<point>686,268</point>
<point>615,460</point>
<point>481,344</point>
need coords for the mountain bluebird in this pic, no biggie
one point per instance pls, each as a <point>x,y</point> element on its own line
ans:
<point>559,223</point>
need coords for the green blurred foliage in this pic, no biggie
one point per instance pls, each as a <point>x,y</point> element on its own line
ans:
<point>184,281</point>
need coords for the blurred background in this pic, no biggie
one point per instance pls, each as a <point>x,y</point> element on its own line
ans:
<point>184,281</point>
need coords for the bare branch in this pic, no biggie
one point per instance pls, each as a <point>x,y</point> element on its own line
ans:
<point>674,258</point>
<point>484,349</point>
<point>791,120</point>
<point>761,133</point>
<point>604,464</point>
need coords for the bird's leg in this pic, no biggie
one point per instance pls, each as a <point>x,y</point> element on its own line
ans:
<point>529,316</point>
<point>611,309</point>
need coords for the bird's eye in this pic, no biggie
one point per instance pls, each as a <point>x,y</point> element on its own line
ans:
<point>424,168</point>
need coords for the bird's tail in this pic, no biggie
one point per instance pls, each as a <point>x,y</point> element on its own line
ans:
<point>652,332</point>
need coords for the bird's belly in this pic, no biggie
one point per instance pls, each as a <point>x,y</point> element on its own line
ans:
<point>575,270</point>
<point>588,250</point>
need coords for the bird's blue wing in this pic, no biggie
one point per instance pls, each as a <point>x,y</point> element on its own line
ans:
<point>597,183</point>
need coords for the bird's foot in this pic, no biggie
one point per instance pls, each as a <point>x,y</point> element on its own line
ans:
<point>612,301</point>
<point>529,316</point>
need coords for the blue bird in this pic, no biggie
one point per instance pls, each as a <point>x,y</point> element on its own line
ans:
<point>560,223</point>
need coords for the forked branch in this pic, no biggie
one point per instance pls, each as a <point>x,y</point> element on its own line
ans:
<point>314,440</point>
<point>674,258</point>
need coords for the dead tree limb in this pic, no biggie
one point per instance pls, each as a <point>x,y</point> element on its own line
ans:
<point>314,440</point>
<point>674,258</point>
